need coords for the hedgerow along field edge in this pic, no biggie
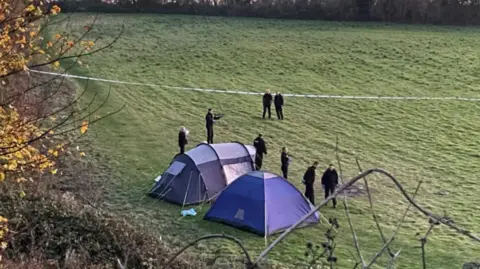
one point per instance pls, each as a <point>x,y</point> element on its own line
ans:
<point>433,141</point>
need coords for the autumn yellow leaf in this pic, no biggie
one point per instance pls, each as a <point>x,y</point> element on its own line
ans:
<point>2,177</point>
<point>56,64</point>
<point>32,34</point>
<point>82,154</point>
<point>49,44</point>
<point>12,165</point>
<point>30,8</point>
<point>84,127</point>
<point>54,171</point>
<point>3,220</point>
<point>3,245</point>
<point>21,40</point>
<point>22,194</point>
<point>50,132</point>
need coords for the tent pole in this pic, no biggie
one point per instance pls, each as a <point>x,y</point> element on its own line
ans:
<point>199,190</point>
<point>186,193</point>
<point>165,187</point>
<point>162,193</point>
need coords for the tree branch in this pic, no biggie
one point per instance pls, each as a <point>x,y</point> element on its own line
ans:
<point>347,211</point>
<point>423,241</point>
<point>348,184</point>
<point>379,253</point>
<point>374,215</point>
<point>212,236</point>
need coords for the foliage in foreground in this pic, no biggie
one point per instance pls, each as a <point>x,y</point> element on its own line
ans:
<point>33,134</point>
<point>66,233</point>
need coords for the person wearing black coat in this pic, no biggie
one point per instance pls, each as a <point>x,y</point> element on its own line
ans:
<point>309,180</point>
<point>285,160</point>
<point>209,121</point>
<point>182,139</point>
<point>267,104</point>
<point>260,148</point>
<point>278,102</point>
<point>330,182</point>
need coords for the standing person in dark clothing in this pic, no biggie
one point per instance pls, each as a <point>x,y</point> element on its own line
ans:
<point>182,139</point>
<point>308,180</point>
<point>330,182</point>
<point>209,121</point>
<point>278,101</point>
<point>267,104</point>
<point>261,148</point>
<point>285,159</point>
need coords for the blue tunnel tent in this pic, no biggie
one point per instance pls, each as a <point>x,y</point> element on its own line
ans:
<point>203,172</point>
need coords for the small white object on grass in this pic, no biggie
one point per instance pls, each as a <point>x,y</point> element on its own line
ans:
<point>158,178</point>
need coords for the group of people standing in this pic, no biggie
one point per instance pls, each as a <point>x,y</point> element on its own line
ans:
<point>277,101</point>
<point>329,182</point>
<point>329,178</point>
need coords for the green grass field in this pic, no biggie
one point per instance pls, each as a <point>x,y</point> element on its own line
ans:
<point>433,141</point>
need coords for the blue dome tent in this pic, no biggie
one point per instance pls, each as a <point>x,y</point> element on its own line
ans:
<point>262,203</point>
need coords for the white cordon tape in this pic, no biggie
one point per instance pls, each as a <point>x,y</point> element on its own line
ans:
<point>261,93</point>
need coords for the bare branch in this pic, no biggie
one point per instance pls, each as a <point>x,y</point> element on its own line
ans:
<point>374,215</point>
<point>90,123</point>
<point>119,263</point>
<point>393,259</point>
<point>213,236</point>
<point>348,184</point>
<point>62,55</point>
<point>379,253</point>
<point>400,222</point>
<point>423,242</point>
<point>347,211</point>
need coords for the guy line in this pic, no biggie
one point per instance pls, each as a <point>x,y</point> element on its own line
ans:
<point>322,96</point>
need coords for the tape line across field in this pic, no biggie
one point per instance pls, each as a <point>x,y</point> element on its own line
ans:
<point>322,96</point>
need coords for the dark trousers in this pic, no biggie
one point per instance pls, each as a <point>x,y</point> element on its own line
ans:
<point>310,193</point>
<point>329,190</point>
<point>258,161</point>
<point>285,171</point>
<point>210,135</point>
<point>279,110</point>
<point>265,108</point>
<point>182,149</point>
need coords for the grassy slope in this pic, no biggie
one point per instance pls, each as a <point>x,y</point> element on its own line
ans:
<point>435,141</point>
